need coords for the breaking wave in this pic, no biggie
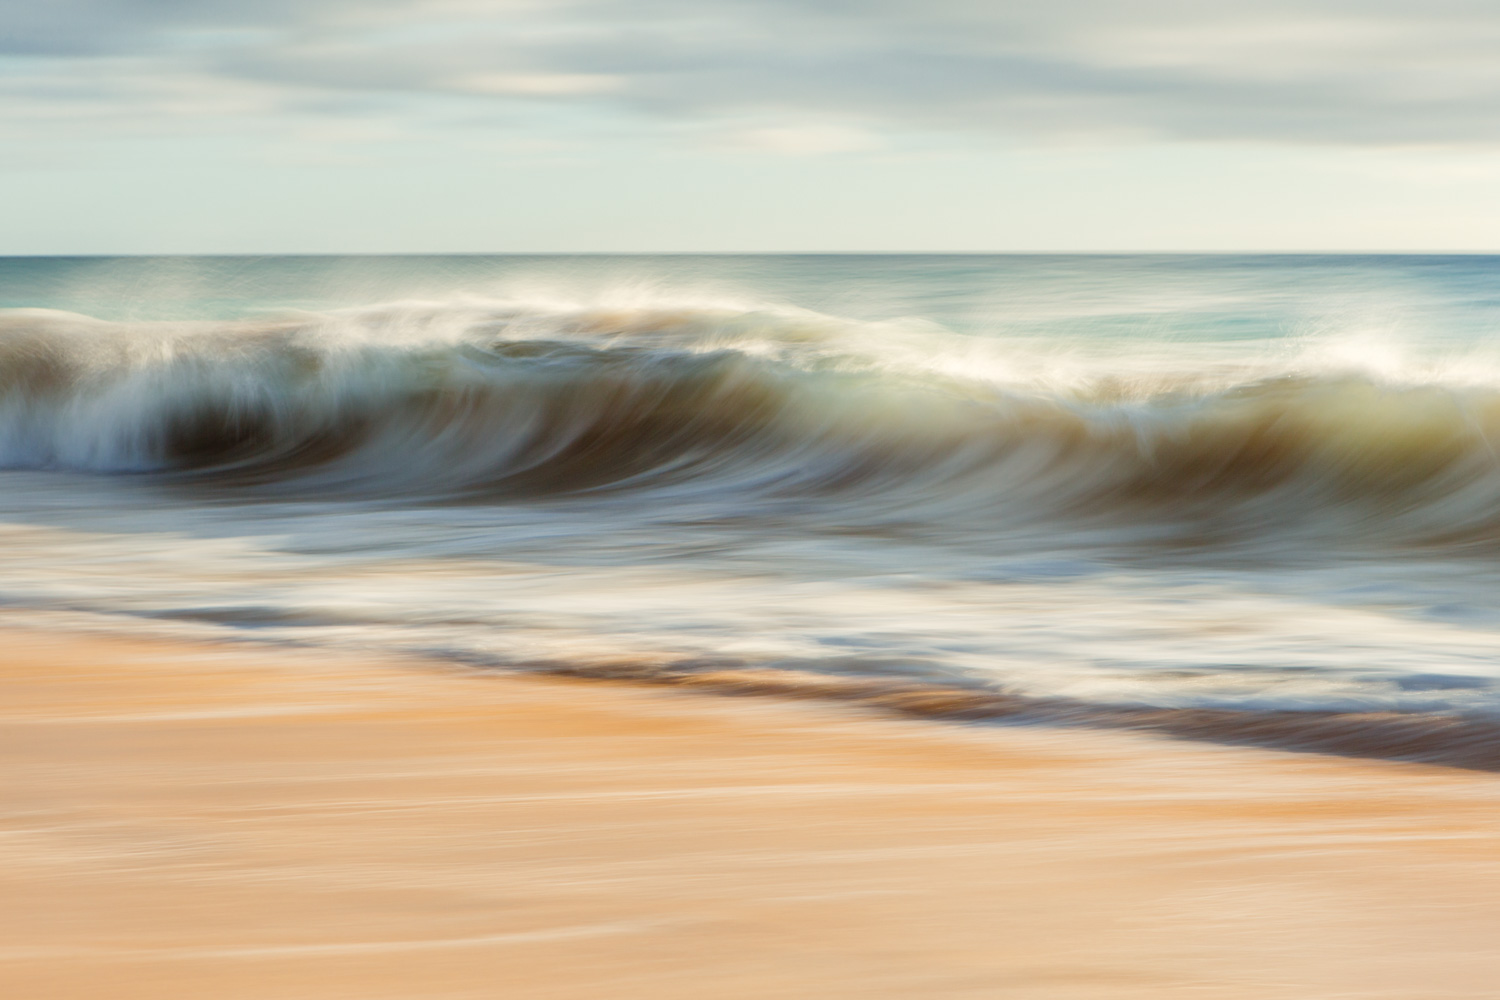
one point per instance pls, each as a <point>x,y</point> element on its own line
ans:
<point>506,401</point>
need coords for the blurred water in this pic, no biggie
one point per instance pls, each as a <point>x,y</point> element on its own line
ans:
<point>1258,484</point>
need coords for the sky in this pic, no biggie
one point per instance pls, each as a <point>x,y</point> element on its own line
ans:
<point>355,126</point>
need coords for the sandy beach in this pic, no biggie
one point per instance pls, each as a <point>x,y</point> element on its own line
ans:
<point>196,821</point>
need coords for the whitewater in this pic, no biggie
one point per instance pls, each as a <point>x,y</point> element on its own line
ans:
<point>1245,499</point>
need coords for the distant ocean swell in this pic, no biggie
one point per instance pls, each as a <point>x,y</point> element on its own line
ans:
<point>504,403</point>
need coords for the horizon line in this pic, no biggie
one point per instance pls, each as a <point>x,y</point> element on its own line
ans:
<point>759,253</point>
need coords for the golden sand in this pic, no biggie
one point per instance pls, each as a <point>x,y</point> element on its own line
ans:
<point>225,823</point>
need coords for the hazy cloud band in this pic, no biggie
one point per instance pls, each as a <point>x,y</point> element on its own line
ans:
<point>1396,73</point>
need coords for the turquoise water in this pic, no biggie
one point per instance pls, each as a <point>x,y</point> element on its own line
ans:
<point>1228,497</point>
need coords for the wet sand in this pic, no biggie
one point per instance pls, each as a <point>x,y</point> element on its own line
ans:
<point>190,821</point>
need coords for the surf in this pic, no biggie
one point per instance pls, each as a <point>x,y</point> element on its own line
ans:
<point>506,403</point>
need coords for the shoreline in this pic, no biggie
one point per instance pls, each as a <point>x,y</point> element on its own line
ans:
<point>1444,740</point>
<point>193,820</point>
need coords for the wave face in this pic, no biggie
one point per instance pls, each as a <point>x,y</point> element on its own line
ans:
<point>1237,499</point>
<point>509,401</point>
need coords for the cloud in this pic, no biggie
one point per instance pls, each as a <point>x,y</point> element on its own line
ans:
<point>800,139</point>
<point>797,75</point>
<point>537,84</point>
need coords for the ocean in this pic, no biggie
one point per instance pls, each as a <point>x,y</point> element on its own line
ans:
<point>1233,498</point>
